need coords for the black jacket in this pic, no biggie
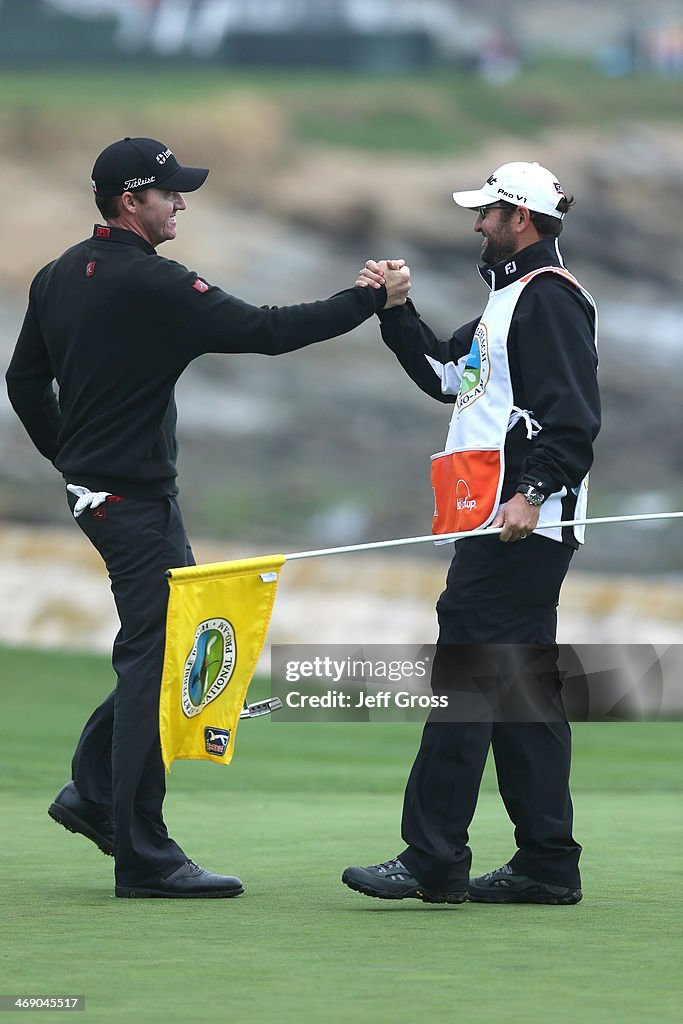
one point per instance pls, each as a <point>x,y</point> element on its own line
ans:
<point>553,369</point>
<point>115,325</point>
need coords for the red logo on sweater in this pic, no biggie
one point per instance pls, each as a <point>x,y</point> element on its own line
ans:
<point>102,232</point>
<point>201,286</point>
<point>90,268</point>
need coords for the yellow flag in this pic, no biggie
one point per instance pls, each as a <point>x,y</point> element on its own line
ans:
<point>216,625</point>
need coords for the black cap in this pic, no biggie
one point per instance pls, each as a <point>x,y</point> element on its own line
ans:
<point>132,165</point>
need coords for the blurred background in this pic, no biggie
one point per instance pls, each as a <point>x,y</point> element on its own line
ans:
<point>336,130</point>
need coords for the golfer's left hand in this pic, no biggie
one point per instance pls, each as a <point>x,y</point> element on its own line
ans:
<point>517,517</point>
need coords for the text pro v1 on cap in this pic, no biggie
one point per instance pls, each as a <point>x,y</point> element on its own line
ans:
<point>521,184</point>
<point>132,165</point>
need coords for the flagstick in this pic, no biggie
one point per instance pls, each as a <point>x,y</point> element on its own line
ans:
<point>488,532</point>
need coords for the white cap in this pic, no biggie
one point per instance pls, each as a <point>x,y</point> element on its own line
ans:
<point>521,184</point>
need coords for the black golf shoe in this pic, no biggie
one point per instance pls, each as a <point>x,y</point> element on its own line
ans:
<point>188,882</point>
<point>82,816</point>
<point>505,886</point>
<point>393,881</point>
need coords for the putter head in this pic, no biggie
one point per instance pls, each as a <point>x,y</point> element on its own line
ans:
<point>261,707</point>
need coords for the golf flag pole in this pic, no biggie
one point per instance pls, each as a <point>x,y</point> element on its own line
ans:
<point>486,532</point>
<point>216,625</point>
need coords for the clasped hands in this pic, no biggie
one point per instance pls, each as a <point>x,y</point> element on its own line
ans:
<point>393,274</point>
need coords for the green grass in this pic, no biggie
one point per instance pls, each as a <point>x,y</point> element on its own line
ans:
<point>298,804</point>
<point>445,112</point>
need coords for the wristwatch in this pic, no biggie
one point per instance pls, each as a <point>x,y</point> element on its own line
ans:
<point>532,494</point>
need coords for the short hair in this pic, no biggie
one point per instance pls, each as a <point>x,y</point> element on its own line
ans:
<point>547,225</point>
<point>110,206</point>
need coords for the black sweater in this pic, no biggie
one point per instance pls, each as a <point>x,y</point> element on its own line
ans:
<point>553,364</point>
<point>115,325</point>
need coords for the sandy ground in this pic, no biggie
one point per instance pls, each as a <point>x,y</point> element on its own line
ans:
<point>54,593</point>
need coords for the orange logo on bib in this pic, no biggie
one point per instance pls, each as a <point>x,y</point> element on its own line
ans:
<point>465,489</point>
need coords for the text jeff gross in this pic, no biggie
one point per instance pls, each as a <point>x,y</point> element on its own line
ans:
<point>383,699</point>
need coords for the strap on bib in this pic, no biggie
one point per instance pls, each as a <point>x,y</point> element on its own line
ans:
<point>533,427</point>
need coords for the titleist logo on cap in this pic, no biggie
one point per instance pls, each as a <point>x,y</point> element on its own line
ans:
<point>138,182</point>
<point>130,165</point>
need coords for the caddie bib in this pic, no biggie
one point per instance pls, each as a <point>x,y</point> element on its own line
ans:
<point>467,476</point>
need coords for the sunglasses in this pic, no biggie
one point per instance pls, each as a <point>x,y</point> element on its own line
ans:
<point>483,210</point>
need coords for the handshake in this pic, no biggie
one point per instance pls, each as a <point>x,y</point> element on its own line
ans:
<point>393,274</point>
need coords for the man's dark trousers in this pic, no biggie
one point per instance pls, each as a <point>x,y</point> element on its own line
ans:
<point>117,762</point>
<point>495,593</point>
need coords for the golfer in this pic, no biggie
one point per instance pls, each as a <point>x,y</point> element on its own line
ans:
<point>115,325</point>
<point>522,379</point>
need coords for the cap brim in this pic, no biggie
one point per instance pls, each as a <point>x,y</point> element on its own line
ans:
<point>471,200</point>
<point>185,179</point>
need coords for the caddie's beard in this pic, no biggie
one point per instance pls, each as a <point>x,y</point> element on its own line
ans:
<point>498,245</point>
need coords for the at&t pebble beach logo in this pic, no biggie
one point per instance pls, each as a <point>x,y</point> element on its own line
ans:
<point>477,370</point>
<point>209,665</point>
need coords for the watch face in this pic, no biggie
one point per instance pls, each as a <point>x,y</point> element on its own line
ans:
<point>532,494</point>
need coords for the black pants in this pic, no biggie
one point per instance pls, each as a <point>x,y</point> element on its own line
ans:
<point>117,762</point>
<point>495,594</point>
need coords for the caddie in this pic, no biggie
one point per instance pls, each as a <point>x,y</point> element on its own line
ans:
<point>522,379</point>
<point>115,325</point>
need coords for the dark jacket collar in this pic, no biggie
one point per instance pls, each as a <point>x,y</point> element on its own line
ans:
<point>103,233</point>
<point>541,254</point>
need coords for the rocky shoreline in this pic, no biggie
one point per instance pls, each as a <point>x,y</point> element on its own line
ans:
<point>331,445</point>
